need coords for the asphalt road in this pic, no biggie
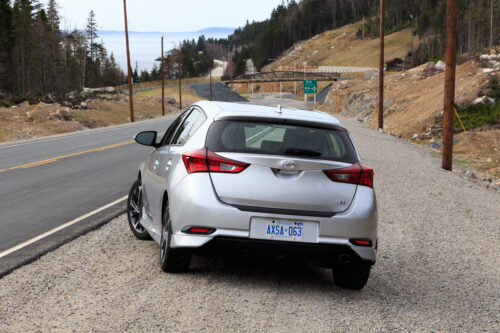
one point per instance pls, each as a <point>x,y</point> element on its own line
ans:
<point>48,182</point>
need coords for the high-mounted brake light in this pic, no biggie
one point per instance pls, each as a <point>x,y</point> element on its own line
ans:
<point>204,160</point>
<point>358,174</point>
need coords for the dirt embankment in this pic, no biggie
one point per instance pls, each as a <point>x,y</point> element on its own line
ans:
<point>413,109</point>
<point>97,111</point>
<point>342,47</point>
<point>413,101</point>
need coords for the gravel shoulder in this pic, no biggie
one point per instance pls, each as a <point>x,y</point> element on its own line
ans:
<point>438,270</point>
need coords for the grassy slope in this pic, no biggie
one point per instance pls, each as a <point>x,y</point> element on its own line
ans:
<point>340,47</point>
<point>100,113</point>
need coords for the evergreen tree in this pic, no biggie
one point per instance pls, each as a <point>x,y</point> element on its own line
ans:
<point>135,76</point>
<point>6,42</point>
<point>53,16</point>
<point>22,21</point>
<point>155,73</point>
<point>36,58</point>
<point>92,34</point>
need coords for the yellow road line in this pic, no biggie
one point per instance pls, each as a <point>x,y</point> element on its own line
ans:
<point>55,159</point>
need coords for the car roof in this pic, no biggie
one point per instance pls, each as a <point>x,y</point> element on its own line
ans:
<point>223,110</point>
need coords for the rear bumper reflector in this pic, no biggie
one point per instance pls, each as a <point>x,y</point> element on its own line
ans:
<point>198,230</point>
<point>361,242</point>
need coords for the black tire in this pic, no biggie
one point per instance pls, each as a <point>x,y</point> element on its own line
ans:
<point>134,211</point>
<point>353,275</point>
<point>171,260</point>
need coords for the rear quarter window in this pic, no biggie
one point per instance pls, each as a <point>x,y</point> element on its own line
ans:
<point>279,139</point>
<point>195,119</point>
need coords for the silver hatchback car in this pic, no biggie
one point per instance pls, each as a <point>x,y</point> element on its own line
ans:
<point>240,177</point>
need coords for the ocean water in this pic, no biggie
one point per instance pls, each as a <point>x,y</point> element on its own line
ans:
<point>146,47</point>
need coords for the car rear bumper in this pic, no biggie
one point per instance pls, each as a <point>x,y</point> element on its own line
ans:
<point>326,251</point>
<point>326,255</point>
<point>191,207</point>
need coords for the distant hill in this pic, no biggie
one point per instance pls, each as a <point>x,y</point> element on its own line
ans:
<point>205,31</point>
<point>116,32</point>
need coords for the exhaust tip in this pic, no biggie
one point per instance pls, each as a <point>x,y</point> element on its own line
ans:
<point>344,258</point>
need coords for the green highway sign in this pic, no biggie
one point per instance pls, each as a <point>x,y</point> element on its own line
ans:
<point>310,86</point>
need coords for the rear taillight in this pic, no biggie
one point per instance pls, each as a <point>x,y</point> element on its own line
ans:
<point>367,173</point>
<point>204,160</point>
<point>358,174</point>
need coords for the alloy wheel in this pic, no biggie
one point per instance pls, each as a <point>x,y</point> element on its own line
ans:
<point>164,237</point>
<point>135,209</point>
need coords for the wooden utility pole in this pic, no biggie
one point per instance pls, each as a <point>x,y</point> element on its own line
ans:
<point>381,68</point>
<point>449,87</point>
<point>130,85</point>
<point>180,86</point>
<point>211,92</point>
<point>231,72</point>
<point>162,80</point>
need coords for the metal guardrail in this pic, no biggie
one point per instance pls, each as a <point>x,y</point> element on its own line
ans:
<point>291,76</point>
<point>153,84</point>
<point>261,77</point>
<point>285,76</point>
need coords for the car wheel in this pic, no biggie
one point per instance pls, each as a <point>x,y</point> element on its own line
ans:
<point>134,211</point>
<point>352,275</point>
<point>171,260</point>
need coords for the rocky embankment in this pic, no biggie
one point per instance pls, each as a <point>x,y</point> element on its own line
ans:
<point>413,109</point>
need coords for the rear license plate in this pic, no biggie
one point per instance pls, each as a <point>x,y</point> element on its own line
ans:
<point>284,230</point>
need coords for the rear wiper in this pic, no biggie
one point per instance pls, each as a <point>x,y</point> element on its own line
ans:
<point>300,152</point>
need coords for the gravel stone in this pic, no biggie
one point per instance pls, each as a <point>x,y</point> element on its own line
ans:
<point>437,270</point>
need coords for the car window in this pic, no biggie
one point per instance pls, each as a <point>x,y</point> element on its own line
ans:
<point>173,127</point>
<point>188,127</point>
<point>279,139</point>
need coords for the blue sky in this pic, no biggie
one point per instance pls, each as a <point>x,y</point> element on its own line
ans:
<point>165,15</point>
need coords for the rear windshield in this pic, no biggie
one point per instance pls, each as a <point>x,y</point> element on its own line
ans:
<point>278,139</point>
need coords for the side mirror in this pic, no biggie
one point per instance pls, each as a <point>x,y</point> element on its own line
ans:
<point>147,138</point>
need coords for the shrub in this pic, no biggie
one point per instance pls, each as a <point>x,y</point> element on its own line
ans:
<point>478,115</point>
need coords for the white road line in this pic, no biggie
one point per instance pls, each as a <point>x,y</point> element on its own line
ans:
<point>65,225</point>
